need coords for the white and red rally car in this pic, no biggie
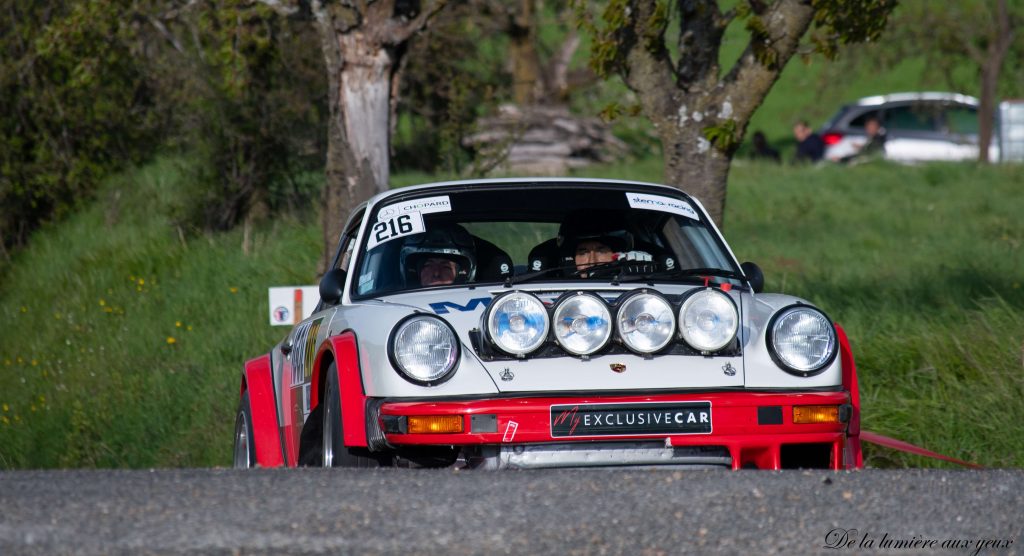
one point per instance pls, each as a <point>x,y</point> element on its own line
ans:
<point>529,323</point>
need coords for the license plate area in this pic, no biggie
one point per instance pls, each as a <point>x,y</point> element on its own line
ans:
<point>631,419</point>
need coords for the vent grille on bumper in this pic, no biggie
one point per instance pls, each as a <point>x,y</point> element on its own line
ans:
<point>375,440</point>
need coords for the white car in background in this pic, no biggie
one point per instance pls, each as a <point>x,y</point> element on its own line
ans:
<point>919,127</point>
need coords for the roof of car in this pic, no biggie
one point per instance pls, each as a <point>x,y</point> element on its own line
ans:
<point>903,97</point>
<point>522,182</point>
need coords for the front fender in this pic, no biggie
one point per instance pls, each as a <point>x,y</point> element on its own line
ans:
<point>345,351</point>
<point>853,447</point>
<point>259,381</point>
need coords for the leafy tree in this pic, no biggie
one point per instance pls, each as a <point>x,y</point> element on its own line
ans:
<point>74,104</point>
<point>978,33</point>
<point>699,111</point>
<point>244,94</point>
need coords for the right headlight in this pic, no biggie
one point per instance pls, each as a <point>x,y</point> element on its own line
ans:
<point>517,322</point>
<point>425,349</point>
<point>708,320</point>
<point>801,340</point>
<point>646,321</point>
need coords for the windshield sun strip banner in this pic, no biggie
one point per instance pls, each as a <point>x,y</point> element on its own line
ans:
<point>441,203</point>
<point>661,203</point>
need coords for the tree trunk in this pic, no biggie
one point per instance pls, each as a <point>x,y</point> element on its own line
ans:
<point>702,171</point>
<point>991,67</point>
<point>526,75</point>
<point>987,107</point>
<point>359,84</point>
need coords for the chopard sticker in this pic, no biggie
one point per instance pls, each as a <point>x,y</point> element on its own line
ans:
<point>400,225</point>
<point>422,206</point>
<point>664,204</point>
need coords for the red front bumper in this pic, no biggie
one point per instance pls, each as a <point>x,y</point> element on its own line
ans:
<point>745,424</point>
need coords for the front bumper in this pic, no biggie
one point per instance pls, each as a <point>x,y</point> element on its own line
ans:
<point>746,430</point>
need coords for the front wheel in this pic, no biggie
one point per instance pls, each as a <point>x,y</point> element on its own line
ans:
<point>333,452</point>
<point>245,450</point>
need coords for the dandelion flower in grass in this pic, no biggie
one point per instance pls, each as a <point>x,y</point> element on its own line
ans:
<point>6,408</point>
<point>103,302</point>
<point>142,282</point>
<point>233,289</point>
<point>5,420</point>
<point>171,340</point>
<point>24,309</point>
<point>189,328</point>
<point>177,324</point>
<point>34,362</point>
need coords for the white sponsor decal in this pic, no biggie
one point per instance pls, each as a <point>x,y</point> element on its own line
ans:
<point>510,431</point>
<point>664,204</point>
<point>401,225</point>
<point>291,304</point>
<point>422,206</point>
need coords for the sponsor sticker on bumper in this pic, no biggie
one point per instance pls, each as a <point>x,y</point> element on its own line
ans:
<point>631,419</point>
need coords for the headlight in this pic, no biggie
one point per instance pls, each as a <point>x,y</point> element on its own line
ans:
<point>424,349</point>
<point>517,322</point>
<point>582,323</point>
<point>802,340</point>
<point>708,320</point>
<point>646,322</point>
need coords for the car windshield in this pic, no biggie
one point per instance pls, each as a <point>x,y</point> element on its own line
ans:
<point>490,234</point>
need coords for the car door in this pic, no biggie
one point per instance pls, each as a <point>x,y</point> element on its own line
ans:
<point>914,133</point>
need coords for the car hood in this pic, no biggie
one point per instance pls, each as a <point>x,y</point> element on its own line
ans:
<point>463,308</point>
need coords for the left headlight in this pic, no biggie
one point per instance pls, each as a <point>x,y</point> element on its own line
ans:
<point>801,340</point>
<point>425,349</point>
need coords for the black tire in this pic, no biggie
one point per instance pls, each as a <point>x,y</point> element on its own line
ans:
<point>245,446</point>
<point>333,452</point>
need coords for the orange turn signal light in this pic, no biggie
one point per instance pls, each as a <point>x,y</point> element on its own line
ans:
<point>815,414</point>
<point>434,424</point>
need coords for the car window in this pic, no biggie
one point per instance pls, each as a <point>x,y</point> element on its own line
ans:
<point>913,117</point>
<point>858,122</point>
<point>962,119</point>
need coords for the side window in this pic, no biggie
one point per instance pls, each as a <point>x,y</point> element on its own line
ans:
<point>349,242</point>
<point>913,117</point>
<point>962,120</point>
<point>858,122</point>
<point>347,252</point>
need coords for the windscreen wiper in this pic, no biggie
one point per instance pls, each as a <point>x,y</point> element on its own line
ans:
<point>695,273</point>
<point>571,271</point>
<point>529,276</point>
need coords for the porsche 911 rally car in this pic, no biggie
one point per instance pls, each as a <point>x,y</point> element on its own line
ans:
<point>530,323</point>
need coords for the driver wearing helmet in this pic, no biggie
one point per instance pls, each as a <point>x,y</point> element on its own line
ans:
<point>589,241</point>
<point>440,256</point>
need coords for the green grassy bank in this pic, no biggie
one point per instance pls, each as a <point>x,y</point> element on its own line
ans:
<point>123,337</point>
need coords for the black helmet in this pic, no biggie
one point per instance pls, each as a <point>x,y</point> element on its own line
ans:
<point>603,226</point>
<point>451,242</point>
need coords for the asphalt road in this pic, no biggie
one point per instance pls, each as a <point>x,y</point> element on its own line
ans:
<point>645,511</point>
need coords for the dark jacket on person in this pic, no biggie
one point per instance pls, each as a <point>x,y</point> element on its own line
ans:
<point>811,149</point>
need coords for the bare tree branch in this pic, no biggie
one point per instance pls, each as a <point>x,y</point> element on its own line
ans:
<point>400,32</point>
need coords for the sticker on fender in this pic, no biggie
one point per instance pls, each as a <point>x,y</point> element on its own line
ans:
<point>400,225</point>
<point>662,203</point>
<point>631,419</point>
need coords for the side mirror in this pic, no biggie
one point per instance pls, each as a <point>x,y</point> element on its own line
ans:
<point>332,285</point>
<point>753,274</point>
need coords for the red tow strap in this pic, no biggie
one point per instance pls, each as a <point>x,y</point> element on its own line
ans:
<point>909,448</point>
